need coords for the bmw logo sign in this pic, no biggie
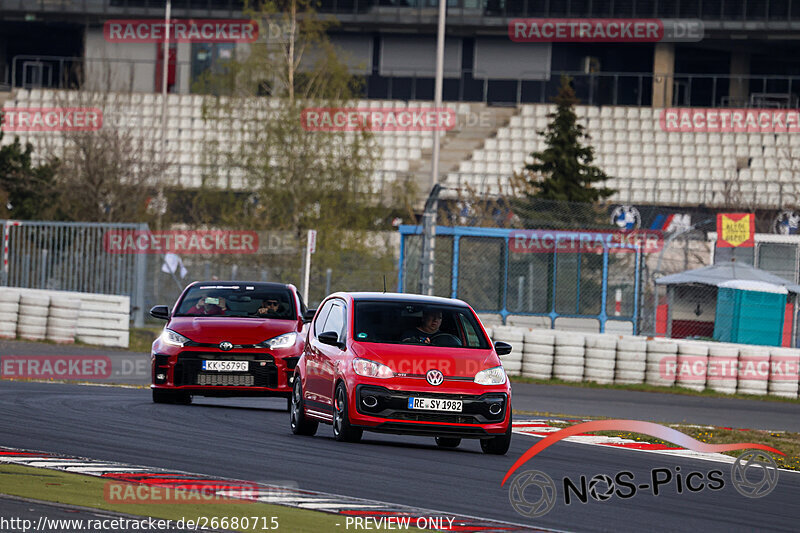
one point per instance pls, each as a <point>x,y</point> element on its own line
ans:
<point>626,217</point>
<point>786,223</point>
<point>225,346</point>
<point>434,377</point>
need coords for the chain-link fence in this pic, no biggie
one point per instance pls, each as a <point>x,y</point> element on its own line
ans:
<point>608,268</point>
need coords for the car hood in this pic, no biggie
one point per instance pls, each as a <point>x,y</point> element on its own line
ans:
<point>236,330</point>
<point>411,359</point>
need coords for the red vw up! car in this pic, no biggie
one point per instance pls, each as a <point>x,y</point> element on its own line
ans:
<point>228,338</point>
<point>401,363</point>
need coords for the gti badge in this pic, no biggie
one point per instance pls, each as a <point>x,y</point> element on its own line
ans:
<point>225,346</point>
<point>434,377</point>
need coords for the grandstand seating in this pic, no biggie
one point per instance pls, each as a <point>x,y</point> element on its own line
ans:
<point>647,165</point>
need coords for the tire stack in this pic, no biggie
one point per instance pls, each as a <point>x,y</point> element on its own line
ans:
<point>537,354</point>
<point>692,365</point>
<point>513,336</point>
<point>723,360</point>
<point>783,366</point>
<point>753,370</point>
<point>661,363</point>
<point>601,355</point>
<point>9,313</point>
<point>32,320</point>
<point>63,319</point>
<point>568,363</point>
<point>631,361</point>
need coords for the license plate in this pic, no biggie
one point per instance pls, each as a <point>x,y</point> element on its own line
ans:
<point>434,404</point>
<point>225,366</point>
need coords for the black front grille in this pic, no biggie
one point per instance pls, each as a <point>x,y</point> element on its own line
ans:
<point>261,371</point>
<point>394,405</point>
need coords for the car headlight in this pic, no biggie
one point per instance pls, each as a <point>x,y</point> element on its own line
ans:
<point>491,376</point>
<point>173,338</point>
<point>371,369</point>
<point>281,341</point>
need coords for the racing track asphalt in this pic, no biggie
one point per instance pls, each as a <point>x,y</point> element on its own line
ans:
<point>133,368</point>
<point>249,439</point>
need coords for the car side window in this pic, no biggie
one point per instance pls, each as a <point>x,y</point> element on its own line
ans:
<point>322,315</point>
<point>335,321</point>
<point>473,337</point>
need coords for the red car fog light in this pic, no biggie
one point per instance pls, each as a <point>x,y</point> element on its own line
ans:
<point>495,408</point>
<point>369,401</point>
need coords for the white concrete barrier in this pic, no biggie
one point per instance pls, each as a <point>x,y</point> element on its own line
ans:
<point>99,319</point>
<point>600,361</point>
<point>662,362</point>
<point>783,369</point>
<point>692,365</point>
<point>753,370</point>
<point>723,361</point>
<point>631,360</point>
<point>9,312</point>
<point>570,352</point>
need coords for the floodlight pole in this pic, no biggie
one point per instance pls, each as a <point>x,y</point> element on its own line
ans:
<point>432,204</point>
<point>164,80</point>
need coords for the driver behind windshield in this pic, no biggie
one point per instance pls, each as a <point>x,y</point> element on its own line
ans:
<point>428,327</point>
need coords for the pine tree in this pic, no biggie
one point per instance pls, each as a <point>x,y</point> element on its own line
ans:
<point>566,163</point>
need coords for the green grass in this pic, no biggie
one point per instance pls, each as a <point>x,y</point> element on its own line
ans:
<point>88,491</point>
<point>141,339</point>
<point>644,387</point>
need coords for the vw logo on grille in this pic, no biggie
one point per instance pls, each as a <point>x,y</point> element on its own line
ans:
<point>434,377</point>
<point>225,346</point>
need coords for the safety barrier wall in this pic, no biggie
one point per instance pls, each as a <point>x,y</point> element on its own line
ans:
<point>61,316</point>
<point>628,359</point>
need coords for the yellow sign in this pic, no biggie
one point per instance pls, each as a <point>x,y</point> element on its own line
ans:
<point>736,230</point>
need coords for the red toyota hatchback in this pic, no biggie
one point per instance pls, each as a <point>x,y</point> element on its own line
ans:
<point>401,363</point>
<point>227,338</point>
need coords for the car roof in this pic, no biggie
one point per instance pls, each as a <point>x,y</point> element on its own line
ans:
<point>256,284</point>
<point>402,297</point>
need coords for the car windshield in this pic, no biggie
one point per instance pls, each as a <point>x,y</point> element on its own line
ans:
<point>248,301</point>
<point>417,323</point>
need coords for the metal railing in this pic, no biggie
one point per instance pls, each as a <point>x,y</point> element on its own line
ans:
<point>70,256</point>
<point>727,10</point>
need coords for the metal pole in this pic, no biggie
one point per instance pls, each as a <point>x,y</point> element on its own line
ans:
<point>431,205</point>
<point>307,267</point>
<point>328,273</point>
<point>426,260</point>
<point>164,79</point>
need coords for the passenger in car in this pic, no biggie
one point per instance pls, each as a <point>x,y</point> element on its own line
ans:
<point>203,307</point>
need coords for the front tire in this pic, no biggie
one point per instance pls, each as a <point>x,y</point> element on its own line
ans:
<point>297,415</point>
<point>448,442</point>
<point>498,445</point>
<point>343,431</point>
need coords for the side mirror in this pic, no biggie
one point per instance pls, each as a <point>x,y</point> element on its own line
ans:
<point>308,316</point>
<point>502,348</point>
<point>330,337</point>
<point>160,311</point>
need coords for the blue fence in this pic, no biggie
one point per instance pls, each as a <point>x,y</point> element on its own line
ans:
<point>482,267</point>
